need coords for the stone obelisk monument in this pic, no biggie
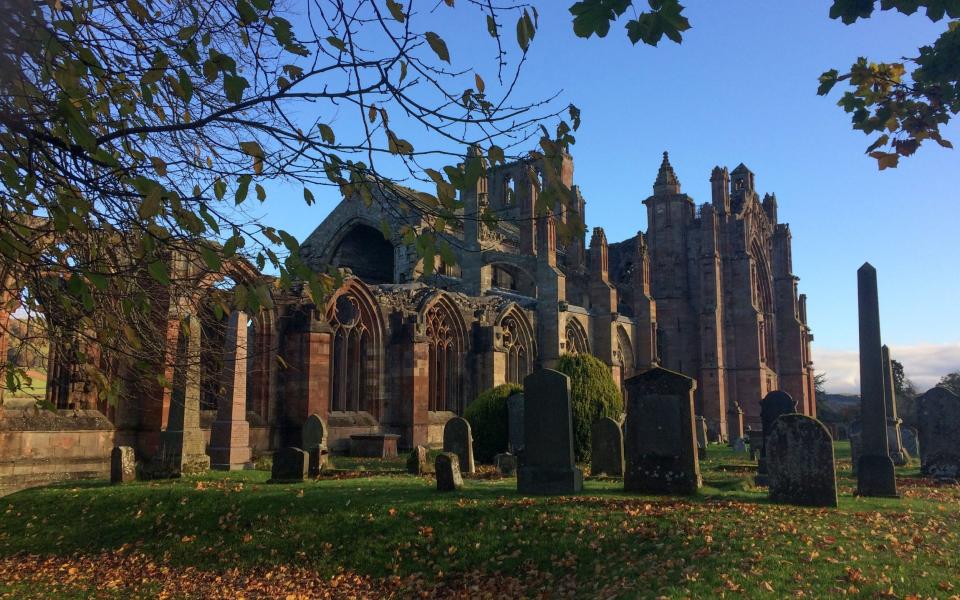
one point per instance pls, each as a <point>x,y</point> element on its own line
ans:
<point>897,453</point>
<point>875,475</point>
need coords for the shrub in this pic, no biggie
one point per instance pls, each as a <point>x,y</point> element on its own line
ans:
<point>489,420</point>
<point>594,395</point>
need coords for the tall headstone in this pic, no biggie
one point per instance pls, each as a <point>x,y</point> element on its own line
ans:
<point>660,444</point>
<point>447,466</point>
<point>800,465</point>
<point>458,438</point>
<point>547,465</point>
<point>505,463</point>
<point>230,433</point>
<point>894,440</point>
<point>417,461</point>
<point>515,423</point>
<point>606,449</point>
<point>123,465</point>
<point>182,445</point>
<point>773,405</point>
<point>289,465</point>
<point>702,437</point>
<point>875,475</point>
<point>938,421</point>
<point>314,437</point>
<point>735,429</point>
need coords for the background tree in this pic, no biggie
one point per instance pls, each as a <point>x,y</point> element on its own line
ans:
<point>902,103</point>
<point>951,381</point>
<point>135,132</point>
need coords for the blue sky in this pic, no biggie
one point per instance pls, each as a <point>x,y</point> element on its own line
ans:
<point>742,88</point>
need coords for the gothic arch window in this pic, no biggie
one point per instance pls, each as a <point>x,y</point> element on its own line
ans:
<point>518,344</point>
<point>576,337</point>
<point>627,361</point>
<point>509,192</point>
<point>764,298</point>
<point>446,337</point>
<point>355,349</point>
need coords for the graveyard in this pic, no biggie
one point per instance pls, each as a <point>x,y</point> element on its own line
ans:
<point>378,532</point>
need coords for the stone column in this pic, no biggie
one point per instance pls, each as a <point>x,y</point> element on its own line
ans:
<point>308,383</point>
<point>230,433</point>
<point>897,453</point>
<point>182,446</point>
<point>875,476</point>
<point>734,422</point>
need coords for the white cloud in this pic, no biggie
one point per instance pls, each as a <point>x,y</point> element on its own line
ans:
<point>924,364</point>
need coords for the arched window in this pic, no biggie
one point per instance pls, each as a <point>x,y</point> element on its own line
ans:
<point>355,351</point>
<point>447,340</point>
<point>518,344</point>
<point>576,337</point>
<point>509,192</point>
<point>627,361</point>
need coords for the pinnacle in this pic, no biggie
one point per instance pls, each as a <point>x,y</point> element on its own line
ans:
<point>667,181</point>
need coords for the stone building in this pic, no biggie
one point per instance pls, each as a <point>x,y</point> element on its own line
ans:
<point>707,291</point>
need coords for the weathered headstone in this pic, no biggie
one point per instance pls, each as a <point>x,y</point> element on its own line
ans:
<point>894,439</point>
<point>938,420</point>
<point>875,475</point>
<point>123,465</point>
<point>458,438</point>
<point>755,441</point>
<point>515,423</point>
<point>230,433</point>
<point>740,446</point>
<point>606,450</point>
<point>702,437</point>
<point>417,461</point>
<point>660,443</point>
<point>182,445</point>
<point>506,464</point>
<point>314,438</point>
<point>447,466</point>
<point>547,465</point>
<point>289,465</point>
<point>911,443</point>
<point>772,406</point>
<point>800,466</point>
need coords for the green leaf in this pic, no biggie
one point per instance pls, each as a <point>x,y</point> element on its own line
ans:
<point>525,30</point>
<point>233,86</point>
<point>158,270</point>
<point>210,258</point>
<point>326,133</point>
<point>594,16</point>
<point>254,150</point>
<point>849,11</point>
<point>308,196</point>
<point>185,84</point>
<point>336,43</point>
<point>159,165</point>
<point>491,26</point>
<point>827,81</point>
<point>219,188</point>
<point>98,280</point>
<point>438,46</point>
<point>261,193</point>
<point>243,185</point>
<point>397,145</point>
<point>246,13</point>
<point>396,9</point>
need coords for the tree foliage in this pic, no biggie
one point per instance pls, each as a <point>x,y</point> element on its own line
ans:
<point>137,132</point>
<point>951,381</point>
<point>902,103</point>
<point>593,394</point>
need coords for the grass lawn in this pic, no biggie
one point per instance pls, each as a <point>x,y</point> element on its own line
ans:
<point>233,535</point>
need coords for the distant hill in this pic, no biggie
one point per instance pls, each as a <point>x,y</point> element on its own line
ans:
<point>838,408</point>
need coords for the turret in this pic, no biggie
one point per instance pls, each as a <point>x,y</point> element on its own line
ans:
<point>770,207</point>
<point>720,188</point>
<point>741,187</point>
<point>644,307</point>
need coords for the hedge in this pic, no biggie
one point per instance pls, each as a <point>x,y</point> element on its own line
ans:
<point>489,421</point>
<point>594,395</point>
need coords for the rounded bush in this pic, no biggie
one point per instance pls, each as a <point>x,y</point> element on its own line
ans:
<point>489,421</point>
<point>593,394</point>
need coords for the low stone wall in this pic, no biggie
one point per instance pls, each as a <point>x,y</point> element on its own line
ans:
<point>40,446</point>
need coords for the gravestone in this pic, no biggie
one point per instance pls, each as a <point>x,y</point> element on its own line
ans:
<point>740,446</point>
<point>506,464</point>
<point>123,465</point>
<point>547,465</point>
<point>606,450</point>
<point>800,466</point>
<point>314,438</point>
<point>515,423</point>
<point>755,441</point>
<point>458,438</point>
<point>911,444</point>
<point>660,444</point>
<point>182,444</point>
<point>417,461</point>
<point>702,437</point>
<point>772,406</point>
<point>230,433</point>
<point>447,466</point>
<point>875,474</point>
<point>938,421</point>
<point>289,465</point>
<point>734,422</point>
